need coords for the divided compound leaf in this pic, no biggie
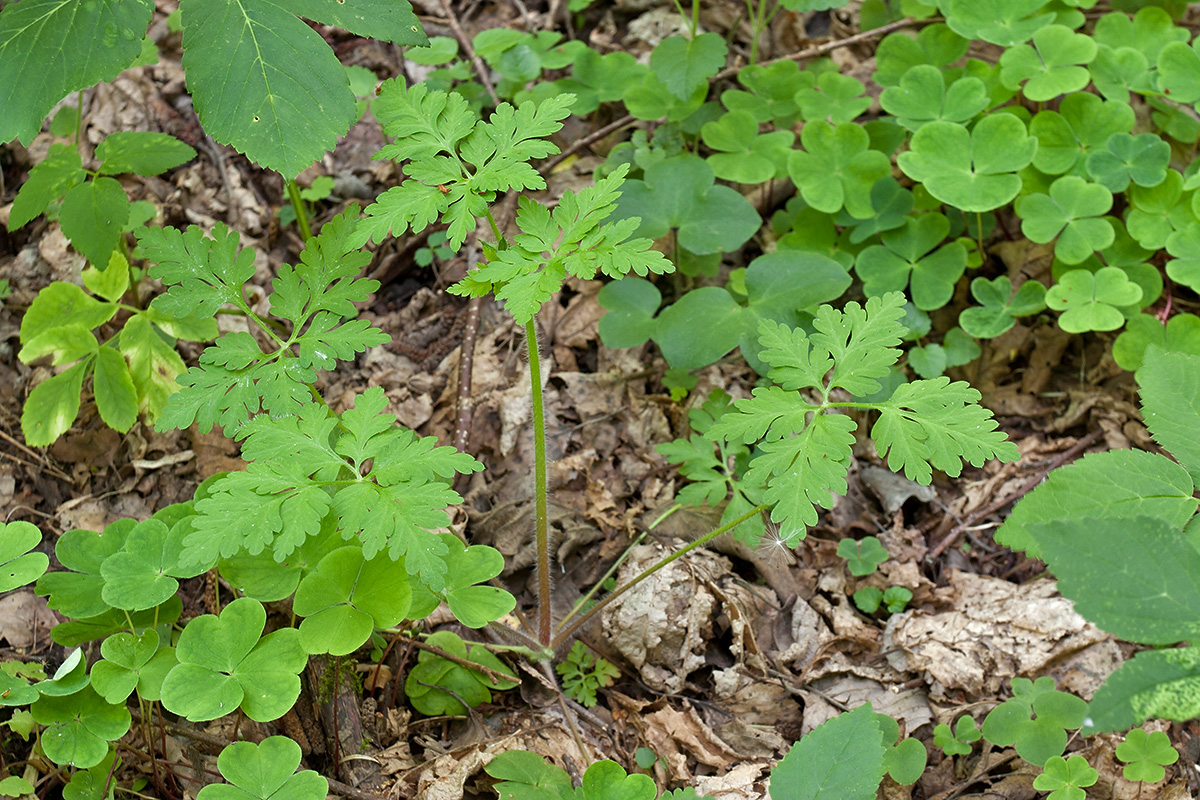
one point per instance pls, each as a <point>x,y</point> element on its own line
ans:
<point>264,771</point>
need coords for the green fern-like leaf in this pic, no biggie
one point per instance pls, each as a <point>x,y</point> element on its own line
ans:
<point>804,442</point>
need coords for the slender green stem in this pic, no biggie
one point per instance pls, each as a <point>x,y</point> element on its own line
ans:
<point>566,635</point>
<point>583,601</point>
<point>501,242</point>
<point>541,518</point>
<point>293,192</point>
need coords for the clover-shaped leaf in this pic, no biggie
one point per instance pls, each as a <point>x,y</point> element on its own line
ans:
<point>347,597</point>
<point>76,592</point>
<point>679,193</point>
<point>17,565</point>
<point>936,46</point>
<point>1142,159</point>
<point>1148,31</point>
<point>1000,306</point>
<point>909,252</point>
<point>863,556</point>
<point>439,686</point>
<point>650,99</point>
<point>837,167</point>
<point>837,98</point>
<point>890,207</point>
<point>1066,778</point>
<point>526,776</point>
<point>467,567</point>
<point>1090,300</point>
<point>932,360</point>
<point>1073,212</point>
<point>142,574</point>
<point>922,97</point>
<point>1082,123</point>
<point>79,726</point>
<point>1118,71</point>
<point>607,780</point>
<point>772,89</point>
<point>1002,22</point>
<point>959,742</point>
<point>1145,755</point>
<point>265,771</point>
<point>1051,66</point>
<point>972,171</point>
<point>1179,72</point>
<point>630,303</point>
<point>1180,334</point>
<point>745,156</point>
<point>125,655</point>
<point>1035,719</point>
<point>224,665</point>
<point>1184,245</point>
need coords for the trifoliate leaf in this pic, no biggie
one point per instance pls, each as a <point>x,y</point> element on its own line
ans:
<point>1090,300</point>
<point>1051,66</point>
<point>837,168</point>
<point>1073,212</point>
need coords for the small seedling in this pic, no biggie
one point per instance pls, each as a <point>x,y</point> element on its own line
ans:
<point>862,556</point>
<point>958,742</point>
<point>584,673</point>
<point>1066,778</point>
<point>1035,719</point>
<point>1145,755</point>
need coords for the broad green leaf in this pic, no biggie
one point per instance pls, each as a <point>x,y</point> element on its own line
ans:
<point>1162,215</point>
<point>837,168</point>
<point>972,171</point>
<point>687,346</point>
<point>526,776</point>
<point>93,215</point>
<point>1090,300</point>
<point>1158,684</point>
<point>1035,719</point>
<point>1145,755</point>
<point>17,565</point>
<point>650,99</point>
<point>1148,31</point>
<point>1118,71</point>
<point>772,88</point>
<point>684,65</point>
<point>1179,72</point>
<point>630,304</point>
<point>606,780</point>
<point>78,631</point>
<point>63,345</point>
<point>53,405</point>
<point>141,152</point>
<point>264,771</point>
<point>841,758</point>
<point>61,302</point>
<point>1119,484</point>
<point>265,82</point>
<point>75,592</point>
<point>116,396</point>
<point>1112,569</point>
<point>110,283</point>
<point>1184,244</point>
<point>890,206</point>
<point>79,727</point>
<point>467,567</point>
<point>50,48</point>
<point>50,178</point>
<point>1170,389</point>
<point>1065,778</point>
<point>153,364</point>
<point>389,20</point>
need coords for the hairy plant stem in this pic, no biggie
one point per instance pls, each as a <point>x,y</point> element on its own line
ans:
<point>541,518</point>
<point>567,634</point>
<point>293,192</point>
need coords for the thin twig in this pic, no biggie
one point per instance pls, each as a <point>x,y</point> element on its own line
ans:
<point>495,675</point>
<point>465,43</point>
<point>1029,486</point>
<point>586,141</point>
